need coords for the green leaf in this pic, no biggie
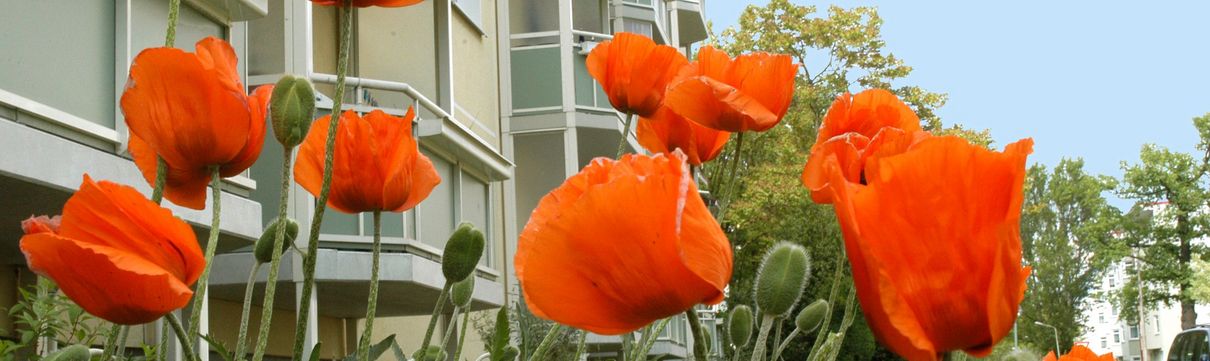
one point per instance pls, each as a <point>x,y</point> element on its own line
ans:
<point>315,351</point>
<point>218,347</point>
<point>376,351</point>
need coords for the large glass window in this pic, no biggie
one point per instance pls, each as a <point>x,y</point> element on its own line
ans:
<point>436,212</point>
<point>530,16</point>
<point>61,53</point>
<point>588,15</point>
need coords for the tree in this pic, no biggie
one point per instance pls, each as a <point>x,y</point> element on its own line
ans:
<point>766,204</point>
<point>1065,224</point>
<point>1174,188</point>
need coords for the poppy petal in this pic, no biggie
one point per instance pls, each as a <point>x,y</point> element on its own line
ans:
<point>218,56</point>
<point>184,187</point>
<point>258,106</point>
<point>109,283</point>
<point>718,105</point>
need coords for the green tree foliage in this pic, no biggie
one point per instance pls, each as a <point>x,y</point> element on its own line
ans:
<point>767,203</point>
<point>1065,223</point>
<point>1171,189</point>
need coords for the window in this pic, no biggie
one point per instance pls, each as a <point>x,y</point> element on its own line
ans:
<point>1101,317</point>
<point>1134,332</point>
<point>1117,336</point>
<point>1104,342</point>
<point>645,28</point>
<point>589,15</point>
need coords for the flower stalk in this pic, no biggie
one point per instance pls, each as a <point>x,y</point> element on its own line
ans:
<point>699,340</point>
<point>758,351</point>
<point>346,30</point>
<point>363,348</point>
<point>266,318</point>
<point>186,347</point>
<point>428,334</point>
<point>242,340</point>
<point>199,295</point>
<point>625,133</point>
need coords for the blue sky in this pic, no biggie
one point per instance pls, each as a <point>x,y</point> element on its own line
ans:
<point>1084,79</point>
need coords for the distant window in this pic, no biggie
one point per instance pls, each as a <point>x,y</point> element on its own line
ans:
<point>1113,282</point>
<point>1134,332</point>
<point>1104,342</point>
<point>1101,317</point>
<point>646,28</point>
<point>1117,336</point>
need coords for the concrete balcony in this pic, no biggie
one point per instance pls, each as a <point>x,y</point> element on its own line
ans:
<point>691,20</point>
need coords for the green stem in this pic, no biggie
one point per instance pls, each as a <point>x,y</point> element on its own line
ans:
<point>161,352</point>
<point>186,347</point>
<point>242,340</point>
<point>174,13</point>
<point>466,318</point>
<point>363,350</point>
<point>648,343</point>
<point>428,335</point>
<point>449,330</point>
<point>625,133</point>
<point>777,333</point>
<point>758,351</point>
<point>827,316</point>
<point>784,344</point>
<point>122,342</point>
<point>732,184</point>
<point>580,348</point>
<point>199,296</point>
<point>547,341</point>
<point>342,65</point>
<point>849,315</point>
<point>627,347</point>
<point>266,316</point>
<point>111,341</point>
<point>161,177</point>
<point>699,340</point>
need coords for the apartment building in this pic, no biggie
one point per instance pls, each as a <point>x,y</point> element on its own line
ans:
<point>1128,339</point>
<point>506,110</point>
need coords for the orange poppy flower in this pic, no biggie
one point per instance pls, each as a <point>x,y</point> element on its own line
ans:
<point>934,243</point>
<point>634,72</point>
<point>622,244</point>
<point>368,3</point>
<point>1079,353</point>
<point>666,131</point>
<point>116,254</point>
<point>854,128</point>
<point>751,92</point>
<point>377,164</point>
<point>192,110</point>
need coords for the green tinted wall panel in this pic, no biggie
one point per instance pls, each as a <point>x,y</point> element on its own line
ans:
<point>392,224</point>
<point>337,222</point>
<point>585,86</point>
<point>475,208</point>
<point>60,53</point>
<point>536,78</point>
<point>436,212</point>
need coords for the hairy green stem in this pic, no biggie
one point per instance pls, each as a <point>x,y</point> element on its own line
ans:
<point>784,344</point>
<point>242,340</point>
<point>849,315</point>
<point>580,347</point>
<point>121,353</point>
<point>428,335</point>
<point>648,343</point>
<point>547,341</point>
<point>827,316</point>
<point>449,329</point>
<point>111,341</point>
<point>625,133</point>
<point>321,204</point>
<point>363,349</point>
<point>199,295</point>
<point>699,340</point>
<point>758,351</point>
<point>174,13</point>
<point>186,347</point>
<point>466,318</point>
<point>627,346</point>
<point>266,315</point>
<point>161,351</point>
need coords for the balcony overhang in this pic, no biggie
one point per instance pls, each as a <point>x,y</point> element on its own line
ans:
<point>408,284</point>
<point>692,20</point>
<point>232,10</point>
<point>41,170</point>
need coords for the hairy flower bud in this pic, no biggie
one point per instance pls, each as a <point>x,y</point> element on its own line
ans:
<point>462,291</point>
<point>811,316</point>
<point>292,108</point>
<point>264,246</point>
<point>462,253</point>
<point>781,278</point>
<point>739,323</point>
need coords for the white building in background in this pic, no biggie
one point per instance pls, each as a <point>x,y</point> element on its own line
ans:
<point>1107,332</point>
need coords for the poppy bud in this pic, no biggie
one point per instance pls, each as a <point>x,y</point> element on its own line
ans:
<point>70,353</point>
<point>292,107</point>
<point>739,323</point>
<point>431,353</point>
<point>264,245</point>
<point>811,316</point>
<point>462,292</point>
<point>462,253</point>
<point>781,278</point>
<point>706,337</point>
